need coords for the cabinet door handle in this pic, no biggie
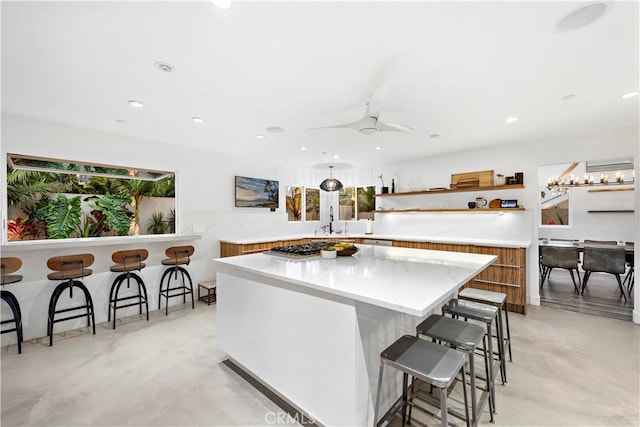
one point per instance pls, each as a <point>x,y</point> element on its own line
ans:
<point>505,265</point>
<point>491,282</point>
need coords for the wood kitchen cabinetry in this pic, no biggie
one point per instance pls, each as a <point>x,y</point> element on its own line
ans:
<point>506,275</point>
<point>233,249</point>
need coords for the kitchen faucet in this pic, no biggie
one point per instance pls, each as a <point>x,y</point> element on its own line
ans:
<point>330,219</point>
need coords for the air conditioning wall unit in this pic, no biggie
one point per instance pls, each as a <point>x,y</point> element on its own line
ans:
<point>610,165</point>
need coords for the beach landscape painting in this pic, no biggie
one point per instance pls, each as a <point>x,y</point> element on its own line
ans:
<point>256,193</point>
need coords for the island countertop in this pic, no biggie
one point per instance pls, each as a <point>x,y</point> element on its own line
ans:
<point>410,281</point>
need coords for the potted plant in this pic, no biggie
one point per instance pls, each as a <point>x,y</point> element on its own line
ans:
<point>384,189</point>
<point>329,252</point>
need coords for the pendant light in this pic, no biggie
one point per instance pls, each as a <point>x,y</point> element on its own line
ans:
<point>331,184</point>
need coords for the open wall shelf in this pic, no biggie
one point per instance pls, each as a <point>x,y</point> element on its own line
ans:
<point>472,211</point>
<point>455,190</point>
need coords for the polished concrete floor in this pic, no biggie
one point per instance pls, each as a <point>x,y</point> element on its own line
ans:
<point>569,369</point>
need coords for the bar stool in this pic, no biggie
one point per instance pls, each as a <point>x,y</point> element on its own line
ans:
<point>488,315</point>
<point>465,337</point>
<point>496,299</point>
<point>176,256</point>
<point>8,266</point>
<point>426,361</point>
<point>126,263</point>
<point>68,268</point>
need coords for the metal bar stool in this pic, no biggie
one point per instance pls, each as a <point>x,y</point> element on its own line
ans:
<point>176,256</point>
<point>126,263</point>
<point>68,268</point>
<point>426,361</point>
<point>465,337</point>
<point>496,299</point>
<point>488,315</point>
<point>8,266</point>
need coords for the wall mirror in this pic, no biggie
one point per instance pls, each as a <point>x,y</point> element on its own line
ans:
<point>56,199</point>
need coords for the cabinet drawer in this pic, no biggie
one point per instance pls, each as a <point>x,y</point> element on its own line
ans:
<point>512,257</point>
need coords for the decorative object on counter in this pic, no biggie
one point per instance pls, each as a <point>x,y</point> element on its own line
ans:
<point>369,227</point>
<point>472,179</point>
<point>481,202</point>
<point>345,249</point>
<point>472,205</point>
<point>331,184</point>
<point>329,253</point>
<point>500,179</point>
<point>393,185</point>
<point>383,189</point>
<point>495,203</point>
<point>256,193</point>
<point>511,180</point>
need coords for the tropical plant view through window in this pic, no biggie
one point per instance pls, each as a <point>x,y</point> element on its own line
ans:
<point>59,199</point>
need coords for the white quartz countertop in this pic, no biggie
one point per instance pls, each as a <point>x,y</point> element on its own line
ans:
<point>411,281</point>
<point>95,241</point>
<point>414,238</point>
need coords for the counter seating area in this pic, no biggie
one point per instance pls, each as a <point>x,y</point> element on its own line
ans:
<point>71,270</point>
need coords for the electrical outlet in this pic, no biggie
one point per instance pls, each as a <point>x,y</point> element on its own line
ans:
<point>198,228</point>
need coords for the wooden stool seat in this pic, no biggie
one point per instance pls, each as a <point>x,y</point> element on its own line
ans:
<point>210,287</point>
<point>70,274</point>
<point>69,268</point>
<point>126,263</point>
<point>175,261</point>
<point>11,278</point>
<point>11,265</point>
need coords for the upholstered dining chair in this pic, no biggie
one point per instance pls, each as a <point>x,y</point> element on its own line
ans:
<point>611,260</point>
<point>559,257</point>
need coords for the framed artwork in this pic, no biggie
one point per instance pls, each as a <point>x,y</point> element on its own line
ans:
<point>312,204</point>
<point>294,204</point>
<point>256,193</point>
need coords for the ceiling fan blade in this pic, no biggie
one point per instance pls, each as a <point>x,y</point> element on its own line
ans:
<point>354,125</point>
<point>395,127</point>
<point>377,98</point>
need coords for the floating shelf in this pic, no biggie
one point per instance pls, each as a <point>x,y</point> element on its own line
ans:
<point>456,190</point>
<point>612,211</point>
<point>473,211</point>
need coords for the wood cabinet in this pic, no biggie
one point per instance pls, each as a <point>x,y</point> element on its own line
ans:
<point>507,274</point>
<point>233,249</point>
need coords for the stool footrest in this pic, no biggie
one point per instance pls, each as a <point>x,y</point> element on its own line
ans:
<point>4,331</point>
<point>126,305</point>
<point>77,316</point>
<point>74,308</point>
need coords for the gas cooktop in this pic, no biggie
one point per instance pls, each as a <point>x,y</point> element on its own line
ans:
<point>306,250</point>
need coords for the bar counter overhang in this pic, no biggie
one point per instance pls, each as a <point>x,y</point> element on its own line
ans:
<point>312,329</point>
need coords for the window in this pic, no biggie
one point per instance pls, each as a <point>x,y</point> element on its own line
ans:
<point>57,199</point>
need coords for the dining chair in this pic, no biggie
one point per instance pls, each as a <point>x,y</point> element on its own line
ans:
<point>559,257</point>
<point>611,260</point>
<point>601,242</point>
<point>629,279</point>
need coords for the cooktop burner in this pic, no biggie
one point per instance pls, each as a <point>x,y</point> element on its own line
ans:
<point>299,251</point>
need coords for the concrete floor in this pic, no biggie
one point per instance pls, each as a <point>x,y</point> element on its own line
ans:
<point>569,369</point>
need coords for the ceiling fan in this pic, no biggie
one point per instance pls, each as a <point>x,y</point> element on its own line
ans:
<point>370,122</point>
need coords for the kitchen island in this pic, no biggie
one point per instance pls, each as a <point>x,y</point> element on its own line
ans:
<point>312,329</point>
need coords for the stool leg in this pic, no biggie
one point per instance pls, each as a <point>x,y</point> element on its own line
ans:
<point>464,392</point>
<point>443,407</point>
<point>166,273</point>
<point>375,410</point>
<point>111,297</point>
<point>506,318</point>
<point>89,302</point>
<point>489,385</point>
<point>115,300</point>
<point>490,361</point>
<point>52,307</point>
<point>500,336</point>
<point>472,380</point>
<point>13,304</point>
<point>404,398</point>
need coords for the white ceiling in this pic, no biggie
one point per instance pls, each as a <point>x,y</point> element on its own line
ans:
<point>457,69</point>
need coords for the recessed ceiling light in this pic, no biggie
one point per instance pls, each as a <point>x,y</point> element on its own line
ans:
<point>121,121</point>
<point>303,148</point>
<point>135,103</point>
<point>434,135</point>
<point>630,95</point>
<point>164,67</point>
<point>275,129</point>
<point>259,136</point>
<point>335,156</point>
<point>378,148</point>
<point>222,4</point>
<point>196,119</point>
<point>582,16</point>
<point>568,97</point>
<point>512,119</point>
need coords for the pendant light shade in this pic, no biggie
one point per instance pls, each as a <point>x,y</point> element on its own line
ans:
<point>331,184</point>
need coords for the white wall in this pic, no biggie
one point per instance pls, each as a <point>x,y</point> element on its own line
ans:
<point>436,171</point>
<point>204,196</point>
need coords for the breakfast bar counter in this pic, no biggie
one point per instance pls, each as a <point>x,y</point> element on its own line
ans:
<point>312,329</point>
